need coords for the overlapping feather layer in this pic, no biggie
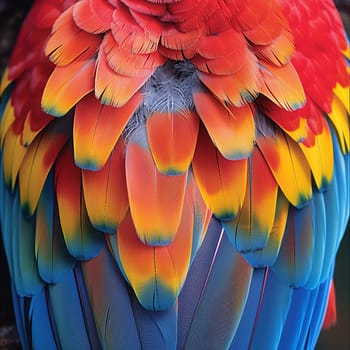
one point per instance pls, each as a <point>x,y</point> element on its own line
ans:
<point>149,117</point>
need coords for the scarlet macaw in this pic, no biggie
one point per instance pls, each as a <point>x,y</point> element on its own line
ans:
<point>174,173</point>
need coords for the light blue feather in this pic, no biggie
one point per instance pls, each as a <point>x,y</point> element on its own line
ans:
<point>319,216</point>
<point>319,311</point>
<point>275,299</point>
<point>295,319</point>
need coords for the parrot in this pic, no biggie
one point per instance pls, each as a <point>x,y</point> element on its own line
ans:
<point>174,174</point>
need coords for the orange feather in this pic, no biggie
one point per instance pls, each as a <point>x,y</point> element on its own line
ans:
<point>99,126</point>
<point>105,192</point>
<point>231,129</point>
<point>172,138</point>
<point>221,182</point>
<point>69,43</point>
<point>156,200</point>
<point>66,86</point>
<point>115,89</point>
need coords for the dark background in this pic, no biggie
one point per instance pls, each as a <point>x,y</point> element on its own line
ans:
<point>337,338</point>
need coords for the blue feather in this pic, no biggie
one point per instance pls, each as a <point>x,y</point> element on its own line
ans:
<point>315,311</point>
<point>86,309</point>
<point>66,313</point>
<point>272,312</point>
<point>337,208</point>
<point>40,323</point>
<point>320,242</point>
<point>295,319</point>
<point>319,311</point>
<point>26,276</point>
<point>50,250</point>
<point>121,322</point>
<point>18,308</point>
<point>294,262</point>
<point>218,280</point>
<point>245,328</point>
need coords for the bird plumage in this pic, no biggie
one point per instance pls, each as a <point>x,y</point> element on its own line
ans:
<point>174,173</point>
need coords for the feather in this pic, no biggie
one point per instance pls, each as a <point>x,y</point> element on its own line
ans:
<point>13,154</point>
<point>294,262</point>
<point>336,214</point>
<point>279,51</point>
<point>172,139</point>
<point>105,192</point>
<point>320,157</point>
<point>222,44</point>
<point>251,228</point>
<point>18,309</point>
<point>340,119</point>
<point>319,217</point>
<point>114,306</point>
<point>156,273</point>
<point>330,318</point>
<point>100,127</point>
<point>294,323</point>
<point>282,86</point>
<point>115,89</point>
<point>244,330</point>
<point>276,293</point>
<point>85,18</point>
<point>130,35</point>
<point>121,61</point>
<point>262,28</point>
<point>202,216</point>
<point>218,281</point>
<point>82,240</point>
<point>150,26</point>
<point>235,89</point>
<point>68,321</point>
<point>5,82</point>
<point>151,9</point>
<point>50,251</point>
<point>36,165</point>
<point>110,304</point>
<point>231,129</point>
<point>69,43</point>
<point>67,85</point>
<point>7,117</point>
<point>288,166</point>
<point>6,199</point>
<point>25,272</point>
<point>156,200</point>
<point>102,10</point>
<point>177,40</point>
<point>42,336</point>
<point>268,254</point>
<point>221,182</point>
<point>314,315</point>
